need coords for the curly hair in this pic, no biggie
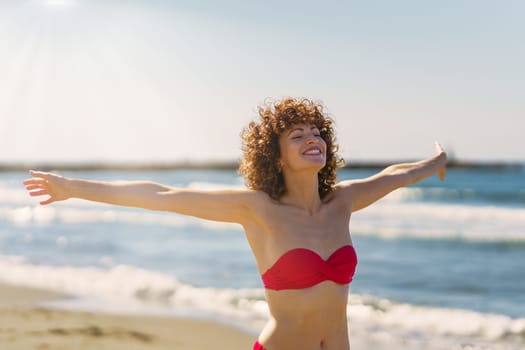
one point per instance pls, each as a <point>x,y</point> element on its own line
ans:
<point>259,164</point>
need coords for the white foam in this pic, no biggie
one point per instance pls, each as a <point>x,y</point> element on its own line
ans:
<point>413,194</point>
<point>428,326</point>
<point>391,220</point>
<point>137,290</point>
<point>117,283</point>
<point>14,195</point>
<point>122,287</point>
<point>429,220</point>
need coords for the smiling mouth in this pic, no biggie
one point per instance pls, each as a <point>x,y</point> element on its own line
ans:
<point>313,152</point>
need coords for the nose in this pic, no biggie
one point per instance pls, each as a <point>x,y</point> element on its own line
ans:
<point>312,140</point>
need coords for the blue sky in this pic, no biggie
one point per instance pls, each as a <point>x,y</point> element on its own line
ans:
<point>91,80</point>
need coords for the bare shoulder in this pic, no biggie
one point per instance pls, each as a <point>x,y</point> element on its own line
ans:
<point>261,211</point>
<point>259,201</point>
<point>346,187</point>
<point>253,201</point>
<point>227,205</point>
<point>342,192</point>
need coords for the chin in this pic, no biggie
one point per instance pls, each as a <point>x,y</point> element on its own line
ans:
<point>316,165</point>
<point>319,161</point>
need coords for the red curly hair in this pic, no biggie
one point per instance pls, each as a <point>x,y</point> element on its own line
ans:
<point>259,164</point>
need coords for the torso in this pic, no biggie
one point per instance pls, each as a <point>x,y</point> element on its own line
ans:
<point>312,318</point>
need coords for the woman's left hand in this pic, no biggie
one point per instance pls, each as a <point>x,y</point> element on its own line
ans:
<point>440,152</point>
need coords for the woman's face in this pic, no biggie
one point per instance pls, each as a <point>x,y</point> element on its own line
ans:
<point>302,147</point>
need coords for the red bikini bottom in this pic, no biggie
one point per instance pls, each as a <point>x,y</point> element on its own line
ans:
<point>258,346</point>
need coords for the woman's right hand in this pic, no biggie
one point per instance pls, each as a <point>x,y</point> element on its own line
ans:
<point>42,183</point>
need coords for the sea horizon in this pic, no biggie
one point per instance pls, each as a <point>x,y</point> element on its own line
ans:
<point>232,164</point>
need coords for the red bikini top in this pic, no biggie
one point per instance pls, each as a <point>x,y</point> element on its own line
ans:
<point>303,268</point>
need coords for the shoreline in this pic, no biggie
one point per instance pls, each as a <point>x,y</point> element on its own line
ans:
<point>26,324</point>
<point>28,320</point>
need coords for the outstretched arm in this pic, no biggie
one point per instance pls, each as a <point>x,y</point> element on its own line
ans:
<point>226,205</point>
<point>361,193</point>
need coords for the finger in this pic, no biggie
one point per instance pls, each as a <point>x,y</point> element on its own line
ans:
<point>443,173</point>
<point>34,181</point>
<point>32,187</point>
<point>47,201</point>
<point>38,193</point>
<point>41,174</point>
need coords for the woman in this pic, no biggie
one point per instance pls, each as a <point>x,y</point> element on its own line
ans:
<point>295,216</point>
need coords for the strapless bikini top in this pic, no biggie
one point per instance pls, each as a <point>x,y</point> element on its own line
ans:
<point>303,268</point>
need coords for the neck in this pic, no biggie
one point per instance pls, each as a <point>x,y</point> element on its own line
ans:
<point>302,191</point>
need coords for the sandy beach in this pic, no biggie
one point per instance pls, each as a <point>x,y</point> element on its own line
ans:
<point>25,325</point>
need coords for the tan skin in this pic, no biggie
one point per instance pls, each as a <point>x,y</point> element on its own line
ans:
<point>312,318</point>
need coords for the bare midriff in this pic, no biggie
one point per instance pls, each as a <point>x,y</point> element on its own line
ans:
<point>311,319</point>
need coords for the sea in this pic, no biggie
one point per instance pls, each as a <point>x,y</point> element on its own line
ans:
<point>441,264</point>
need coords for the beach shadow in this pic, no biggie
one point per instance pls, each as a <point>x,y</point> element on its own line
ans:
<point>97,332</point>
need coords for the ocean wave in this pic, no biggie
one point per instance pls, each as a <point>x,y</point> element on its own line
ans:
<point>457,195</point>
<point>124,286</point>
<point>386,219</point>
<point>44,215</point>
<point>400,214</point>
<point>408,321</point>
<point>440,221</point>
<point>132,288</point>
